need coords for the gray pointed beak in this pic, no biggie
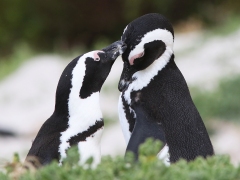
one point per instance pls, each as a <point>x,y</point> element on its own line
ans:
<point>115,49</point>
<point>121,46</point>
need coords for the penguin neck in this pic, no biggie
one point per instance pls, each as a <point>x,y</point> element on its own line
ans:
<point>143,78</point>
<point>84,107</point>
<point>84,116</point>
<point>68,101</point>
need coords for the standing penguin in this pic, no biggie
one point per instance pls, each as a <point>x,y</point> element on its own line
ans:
<point>77,118</point>
<point>155,100</point>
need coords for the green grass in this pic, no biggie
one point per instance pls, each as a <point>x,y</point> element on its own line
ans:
<point>108,121</point>
<point>230,25</point>
<point>110,88</point>
<point>148,167</point>
<point>221,103</point>
<point>22,52</point>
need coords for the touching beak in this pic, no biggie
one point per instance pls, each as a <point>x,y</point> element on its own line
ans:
<point>115,49</point>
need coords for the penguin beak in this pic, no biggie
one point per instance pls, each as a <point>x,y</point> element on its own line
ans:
<point>125,77</point>
<point>115,49</point>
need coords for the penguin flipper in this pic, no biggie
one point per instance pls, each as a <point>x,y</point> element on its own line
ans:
<point>145,127</point>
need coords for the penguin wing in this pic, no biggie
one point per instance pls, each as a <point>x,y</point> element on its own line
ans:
<point>145,127</point>
<point>123,120</point>
<point>45,148</point>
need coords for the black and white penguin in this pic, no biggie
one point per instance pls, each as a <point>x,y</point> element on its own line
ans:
<point>155,100</point>
<point>77,118</point>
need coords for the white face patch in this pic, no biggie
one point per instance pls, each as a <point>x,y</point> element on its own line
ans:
<point>124,30</point>
<point>157,34</point>
<point>83,113</point>
<point>143,77</point>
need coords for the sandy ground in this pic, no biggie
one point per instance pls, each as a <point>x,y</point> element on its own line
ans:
<point>27,95</point>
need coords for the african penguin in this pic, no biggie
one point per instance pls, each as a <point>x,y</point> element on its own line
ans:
<point>77,118</point>
<point>155,100</point>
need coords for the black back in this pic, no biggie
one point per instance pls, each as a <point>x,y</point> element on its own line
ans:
<point>97,67</point>
<point>145,127</point>
<point>45,145</point>
<point>167,99</point>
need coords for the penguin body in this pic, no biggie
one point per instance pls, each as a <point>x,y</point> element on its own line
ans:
<point>77,118</point>
<point>152,82</point>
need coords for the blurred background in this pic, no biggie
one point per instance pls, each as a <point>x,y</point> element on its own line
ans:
<point>39,38</point>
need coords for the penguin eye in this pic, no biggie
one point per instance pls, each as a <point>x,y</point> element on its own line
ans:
<point>141,55</point>
<point>96,56</point>
<point>114,49</point>
<point>137,56</point>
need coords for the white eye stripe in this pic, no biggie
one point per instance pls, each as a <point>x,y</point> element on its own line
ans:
<point>124,30</point>
<point>144,77</point>
<point>157,34</point>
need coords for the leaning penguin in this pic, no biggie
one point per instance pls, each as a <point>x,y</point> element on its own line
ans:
<point>77,118</point>
<point>155,100</point>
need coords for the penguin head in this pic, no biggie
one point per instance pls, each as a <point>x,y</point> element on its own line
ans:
<point>147,38</point>
<point>98,65</point>
<point>85,75</point>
